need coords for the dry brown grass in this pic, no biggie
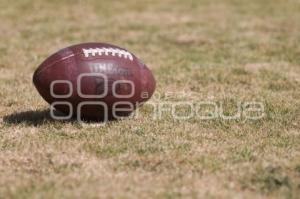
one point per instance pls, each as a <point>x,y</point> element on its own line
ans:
<point>227,51</point>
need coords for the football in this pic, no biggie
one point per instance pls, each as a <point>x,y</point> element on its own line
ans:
<point>94,81</point>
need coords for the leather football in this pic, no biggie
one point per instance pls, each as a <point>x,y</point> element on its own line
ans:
<point>94,81</point>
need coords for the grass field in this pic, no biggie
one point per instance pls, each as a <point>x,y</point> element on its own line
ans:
<point>227,51</point>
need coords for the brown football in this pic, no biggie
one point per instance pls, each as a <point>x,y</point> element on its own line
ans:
<point>94,81</point>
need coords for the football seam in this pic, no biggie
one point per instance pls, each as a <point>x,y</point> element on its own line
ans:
<point>94,51</point>
<point>55,62</point>
<point>107,51</point>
